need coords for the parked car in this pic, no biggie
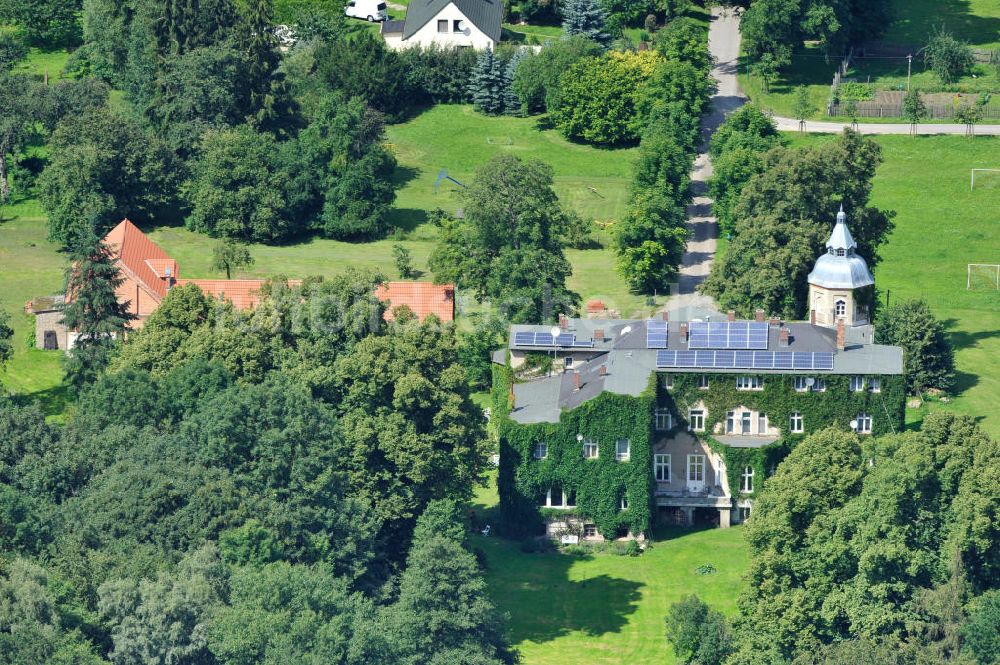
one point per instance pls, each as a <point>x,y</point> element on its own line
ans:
<point>370,10</point>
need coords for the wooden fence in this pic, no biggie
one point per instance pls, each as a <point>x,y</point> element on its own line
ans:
<point>880,110</point>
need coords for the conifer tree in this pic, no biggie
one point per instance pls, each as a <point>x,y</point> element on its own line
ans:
<point>93,311</point>
<point>511,101</point>
<point>270,97</point>
<point>587,18</point>
<point>487,85</point>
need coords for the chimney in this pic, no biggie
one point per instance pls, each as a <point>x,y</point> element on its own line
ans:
<point>563,322</point>
<point>775,322</point>
<point>603,371</point>
<point>783,337</point>
<point>841,335</point>
<point>599,334</point>
<point>576,381</point>
<point>665,316</point>
<point>758,316</point>
<point>731,315</point>
<point>812,317</point>
<point>684,332</point>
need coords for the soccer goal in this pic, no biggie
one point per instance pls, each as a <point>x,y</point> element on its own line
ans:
<point>983,276</point>
<point>972,182</point>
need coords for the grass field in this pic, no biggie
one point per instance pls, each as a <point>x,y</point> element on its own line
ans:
<point>605,609</point>
<point>941,226</point>
<point>975,21</point>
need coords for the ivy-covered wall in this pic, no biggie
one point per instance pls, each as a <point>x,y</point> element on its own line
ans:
<point>837,406</point>
<point>599,483</point>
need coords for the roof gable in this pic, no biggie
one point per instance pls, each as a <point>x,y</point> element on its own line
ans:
<point>140,257</point>
<point>487,15</point>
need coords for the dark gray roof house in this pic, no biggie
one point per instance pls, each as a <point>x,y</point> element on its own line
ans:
<point>457,23</point>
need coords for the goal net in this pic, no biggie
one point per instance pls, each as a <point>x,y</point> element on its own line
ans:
<point>993,174</point>
<point>983,276</point>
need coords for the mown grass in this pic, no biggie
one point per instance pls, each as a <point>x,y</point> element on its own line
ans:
<point>941,226</point>
<point>603,608</point>
<point>975,21</point>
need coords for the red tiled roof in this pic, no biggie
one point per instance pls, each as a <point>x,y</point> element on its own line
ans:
<point>243,293</point>
<point>137,255</point>
<point>422,297</point>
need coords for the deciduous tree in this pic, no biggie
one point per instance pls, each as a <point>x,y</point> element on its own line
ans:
<point>929,358</point>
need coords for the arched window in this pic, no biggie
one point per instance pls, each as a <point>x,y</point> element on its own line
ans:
<point>840,308</point>
<point>746,480</point>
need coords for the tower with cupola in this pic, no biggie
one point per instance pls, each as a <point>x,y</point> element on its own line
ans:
<point>841,287</point>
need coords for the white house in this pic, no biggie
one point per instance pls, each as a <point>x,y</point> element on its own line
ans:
<point>457,23</point>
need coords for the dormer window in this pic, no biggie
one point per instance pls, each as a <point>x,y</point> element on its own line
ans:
<point>841,252</point>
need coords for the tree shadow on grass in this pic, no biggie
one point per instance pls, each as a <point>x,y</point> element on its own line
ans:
<point>961,339</point>
<point>544,603</point>
<point>52,401</point>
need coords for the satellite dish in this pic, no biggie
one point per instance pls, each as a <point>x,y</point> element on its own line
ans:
<point>555,331</point>
<point>626,330</point>
<point>464,28</point>
<point>695,320</point>
<point>854,425</point>
<point>810,382</point>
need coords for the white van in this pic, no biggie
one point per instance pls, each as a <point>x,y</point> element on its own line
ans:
<point>370,10</point>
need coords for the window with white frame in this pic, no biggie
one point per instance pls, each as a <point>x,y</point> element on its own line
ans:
<point>703,381</point>
<point>875,385</point>
<point>696,420</point>
<point>730,422</point>
<point>590,531</point>
<point>840,308</point>
<point>795,422</point>
<point>802,384</point>
<point>696,468</point>
<point>661,468</point>
<point>556,497</point>
<point>623,450</point>
<point>568,361</point>
<point>664,420</point>
<point>744,513</point>
<point>761,423</point>
<point>668,381</point>
<point>746,480</point>
<point>864,424</point>
<point>749,383</point>
<point>590,450</point>
<point>541,450</point>
<point>857,384</point>
<point>819,386</point>
<point>623,504</point>
<point>570,498</point>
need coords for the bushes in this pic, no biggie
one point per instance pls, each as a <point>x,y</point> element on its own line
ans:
<point>537,78</point>
<point>599,97</point>
<point>947,56</point>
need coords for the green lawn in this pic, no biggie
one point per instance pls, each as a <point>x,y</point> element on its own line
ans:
<point>941,226</point>
<point>976,21</point>
<point>603,608</point>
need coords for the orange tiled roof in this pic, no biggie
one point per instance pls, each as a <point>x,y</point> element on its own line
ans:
<point>243,293</point>
<point>138,255</point>
<point>422,297</point>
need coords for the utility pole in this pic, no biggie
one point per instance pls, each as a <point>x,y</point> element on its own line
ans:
<point>909,68</point>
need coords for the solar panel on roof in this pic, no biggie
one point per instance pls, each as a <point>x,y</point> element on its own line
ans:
<point>583,343</point>
<point>565,339</point>
<point>727,335</point>
<point>723,359</point>
<point>524,338</point>
<point>544,339</point>
<point>656,334</point>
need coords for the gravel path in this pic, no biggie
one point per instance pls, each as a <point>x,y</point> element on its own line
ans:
<point>724,44</point>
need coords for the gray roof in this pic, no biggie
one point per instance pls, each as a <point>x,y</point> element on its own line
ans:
<point>628,364</point>
<point>391,27</point>
<point>836,271</point>
<point>487,15</point>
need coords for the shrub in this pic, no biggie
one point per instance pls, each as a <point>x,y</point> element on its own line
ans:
<point>947,56</point>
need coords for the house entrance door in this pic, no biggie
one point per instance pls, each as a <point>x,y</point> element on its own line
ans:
<point>695,473</point>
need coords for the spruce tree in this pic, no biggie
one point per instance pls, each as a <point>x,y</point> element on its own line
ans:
<point>270,97</point>
<point>587,18</point>
<point>511,101</point>
<point>487,85</point>
<point>93,311</point>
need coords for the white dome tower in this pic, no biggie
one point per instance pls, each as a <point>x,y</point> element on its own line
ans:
<point>840,285</point>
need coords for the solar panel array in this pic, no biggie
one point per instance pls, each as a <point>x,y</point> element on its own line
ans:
<point>801,360</point>
<point>656,334</point>
<point>546,339</point>
<point>727,335</point>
